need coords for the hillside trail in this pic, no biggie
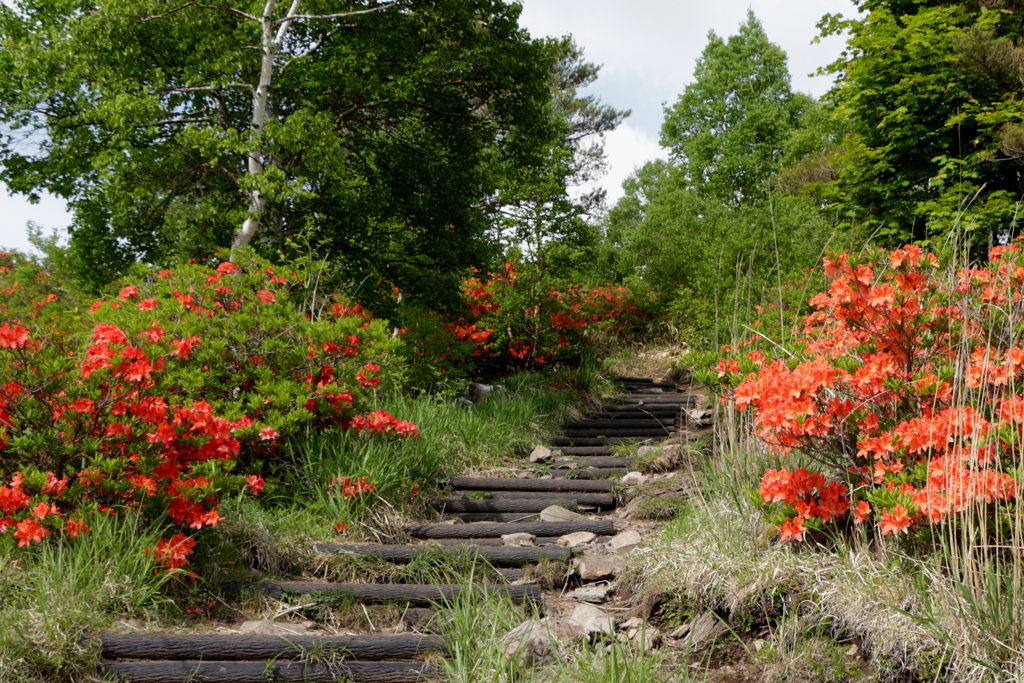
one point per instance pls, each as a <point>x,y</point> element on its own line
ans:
<point>556,527</point>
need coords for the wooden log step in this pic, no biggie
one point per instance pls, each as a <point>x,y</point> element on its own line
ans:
<point>505,556</point>
<point>656,398</point>
<point>262,672</point>
<point>597,461</point>
<point>662,417</point>
<point>671,386</point>
<point>585,450</point>
<point>632,409</point>
<point>604,527</point>
<point>472,517</point>
<point>224,647</point>
<point>590,473</point>
<point>509,573</point>
<point>632,423</point>
<point>561,441</point>
<point>454,505</point>
<point>372,594</point>
<point>510,484</point>
<point>601,500</point>
<point>616,433</point>
<point>633,380</point>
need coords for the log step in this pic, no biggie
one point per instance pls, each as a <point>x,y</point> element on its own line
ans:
<point>510,574</point>
<point>487,530</point>
<point>562,441</point>
<point>371,594</point>
<point>585,450</point>
<point>631,409</point>
<point>223,647</point>
<point>601,500</point>
<point>473,517</point>
<point>633,380</point>
<point>509,484</point>
<point>615,433</point>
<point>564,463</point>
<point>262,672</point>
<point>590,473</point>
<point>631,423</point>
<point>456,505</point>
<point>664,418</point>
<point>505,556</point>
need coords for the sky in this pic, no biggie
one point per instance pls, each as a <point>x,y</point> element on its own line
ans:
<point>647,49</point>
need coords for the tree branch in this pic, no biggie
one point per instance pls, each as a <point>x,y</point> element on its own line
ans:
<point>223,8</point>
<point>339,15</point>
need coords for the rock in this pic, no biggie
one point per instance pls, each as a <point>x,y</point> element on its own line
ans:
<point>646,637</point>
<point>526,475</point>
<point>630,624</point>
<point>853,651</point>
<point>540,454</point>
<point>403,626</point>
<point>539,641</point>
<point>576,538</point>
<point>545,476</point>
<point>518,540</point>
<point>705,629</point>
<point>599,567</point>
<point>130,624</point>
<point>681,631</point>
<point>593,619</point>
<point>626,541</point>
<point>592,593</point>
<point>278,628</point>
<point>759,645</point>
<point>557,513</point>
<point>634,479</point>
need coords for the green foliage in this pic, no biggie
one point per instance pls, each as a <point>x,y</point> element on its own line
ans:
<point>386,133</point>
<point>930,91</point>
<point>728,129</point>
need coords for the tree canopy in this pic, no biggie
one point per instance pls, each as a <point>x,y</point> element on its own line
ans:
<point>727,130</point>
<point>387,127</point>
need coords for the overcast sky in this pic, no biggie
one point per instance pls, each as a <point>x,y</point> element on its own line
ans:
<point>647,49</point>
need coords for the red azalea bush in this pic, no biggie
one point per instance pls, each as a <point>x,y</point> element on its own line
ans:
<point>150,399</point>
<point>904,388</point>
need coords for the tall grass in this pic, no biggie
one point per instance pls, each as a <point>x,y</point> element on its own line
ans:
<point>53,592</point>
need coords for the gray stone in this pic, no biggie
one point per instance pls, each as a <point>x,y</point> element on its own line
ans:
<point>518,540</point>
<point>557,513</point>
<point>593,619</point>
<point>634,479</point>
<point>540,454</point>
<point>592,593</point>
<point>626,541</point>
<point>599,567</point>
<point>526,475</point>
<point>576,538</point>
<point>539,641</point>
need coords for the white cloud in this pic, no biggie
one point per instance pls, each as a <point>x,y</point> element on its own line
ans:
<point>16,212</point>
<point>627,148</point>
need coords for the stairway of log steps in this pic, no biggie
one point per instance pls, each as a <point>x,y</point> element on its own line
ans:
<point>581,475</point>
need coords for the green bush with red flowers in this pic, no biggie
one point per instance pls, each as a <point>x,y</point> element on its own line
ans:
<point>151,400</point>
<point>905,389</point>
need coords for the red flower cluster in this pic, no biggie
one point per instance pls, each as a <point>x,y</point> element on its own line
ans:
<point>872,395</point>
<point>380,422</point>
<point>351,489</point>
<point>172,553</point>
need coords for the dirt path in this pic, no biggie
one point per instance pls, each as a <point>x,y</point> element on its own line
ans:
<point>556,526</point>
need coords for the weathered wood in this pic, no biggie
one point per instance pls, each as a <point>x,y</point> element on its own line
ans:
<point>471,517</point>
<point>634,380</point>
<point>490,542</point>
<point>455,505</point>
<point>564,463</point>
<point>671,386</point>
<point>615,424</point>
<point>663,397</point>
<point>375,593</point>
<point>615,433</point>
<point>663,417</point>
<point>589,499</point>
<point>600,527</point>
<point>590,473</point>
<point>562,441</point>
<point>505,556</point>
<point>502,484</point>
<point>585,450</point>
<point>262,672</point>
<point>223,647</point>
<point>631,408</point>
